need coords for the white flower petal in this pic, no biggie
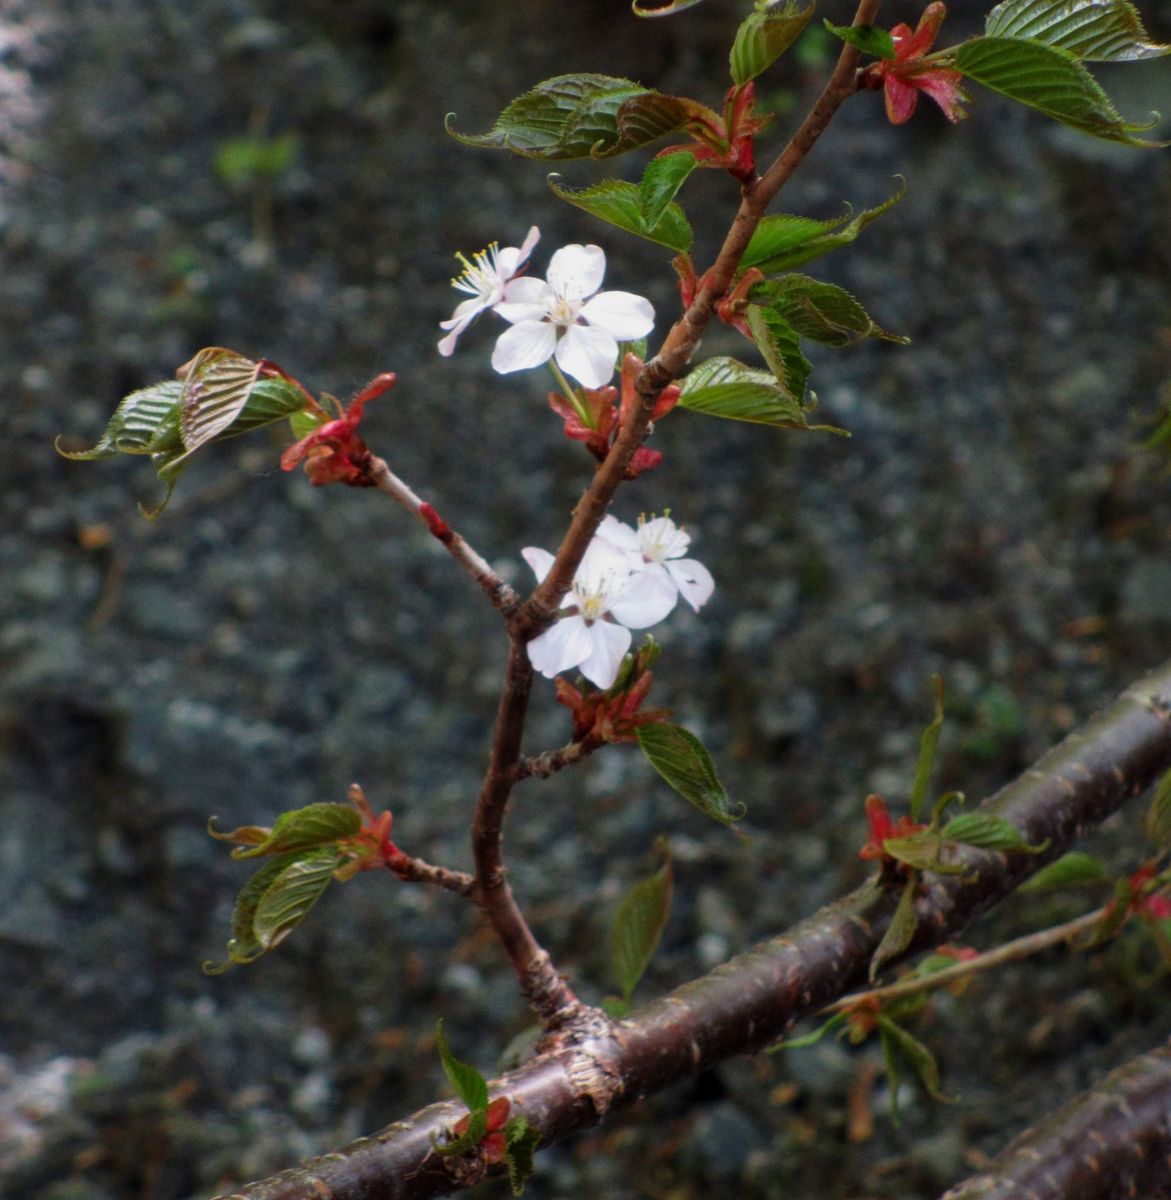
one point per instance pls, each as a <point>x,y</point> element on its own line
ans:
<point>693,579</point>
<point>577,270</point>
<point>527,290</point>
<point>526,345</point>
<point>512,258</point>
<point>608,643</point>
<point>621,535</point>
<point>540,560</point>
<point>562,646</point>
<point>587,354</point>
<point>647,598</point>
<point>623,315</point>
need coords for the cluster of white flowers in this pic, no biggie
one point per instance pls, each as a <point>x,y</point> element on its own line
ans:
<point>563,317</point>
<point>628,579</point>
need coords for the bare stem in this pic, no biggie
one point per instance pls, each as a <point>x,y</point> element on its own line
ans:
<point>541,766</point>
<point>498,592</point>
<point>415,870</point>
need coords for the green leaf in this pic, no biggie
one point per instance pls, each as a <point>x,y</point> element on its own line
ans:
<point>778,342</point>
<point>810,1039</point>
<point>216,387</point>
<point>471,1137</point>
<point>292,894</point>
<point>470,1086</point>
<point>661,181</point>
<point>662,10</point>
<point>680,758</point>
<point>582,116</point>
<point>867,38</point>
<point>764,35</point>
<point>620,203</point>
<point>1072,869</point>
<point>900,931</point>
<point>822,312</point>
<point>987,832</point>
<point>913,1052</point>
<point>724,387</point>
<point>1091,30</point>
<point>638,926</point>
<point>1157,825</point>
<point>1050,80</point>
<point>146,422</point>
<point>782,241</point>
<point>274,901</point>
<point>306,828</point>
<point>520,1142</point>
<point>149,421</point>
<point>927,744</point>
<point>921,852</point>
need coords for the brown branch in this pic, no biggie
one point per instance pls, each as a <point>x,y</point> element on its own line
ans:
<point>546,992</point>
<point>415,870</point>
<point>502,596</point>
<point>683,337</point>
<point>541,766</point>
<point>1113,1140</point>
<point>755,998</point>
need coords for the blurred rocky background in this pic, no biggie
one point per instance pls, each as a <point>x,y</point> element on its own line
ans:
<point>994,518</point>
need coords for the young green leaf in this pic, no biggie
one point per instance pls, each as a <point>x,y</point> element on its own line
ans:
<point>216,387</point>
<point>764,35</point>
<point>1071,870</point>
<point>638,926</point>
<point>306,828</point>
<point>724,387</point>
<point>867,38</point>
<point>292,894</point>
<point>1049,79</point>
<point>146,422</point>
<point>274,901</point>
<point>822,312</point>
<point>782,241</point>
<point>810,1039</point>
<point>927,744</point>
<point>900,931</point>
<point>620,203</point>
<point>520,1142</point>
<point>470,1086</point>
<point>987,832</point>
<point>662,10</point>
<point>1091,30</point>
<point>913,1052</point>
<point>680,758</point>
<point>582,116</point>
<point>780,346</point>
<point>1157,824</point>
<point>661,182</point>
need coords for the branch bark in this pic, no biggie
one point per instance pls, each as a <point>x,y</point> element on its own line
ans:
<point>755,998</point>
<point>1113,1140</point>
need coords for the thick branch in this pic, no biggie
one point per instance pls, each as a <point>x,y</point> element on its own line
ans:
<point>1111,1141</point>
<point>756,997</point>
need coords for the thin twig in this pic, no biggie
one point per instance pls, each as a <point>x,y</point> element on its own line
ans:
<point>502,596</point>
<point>541,766</point>
<point>1014,951</point>
<point>415,870</point>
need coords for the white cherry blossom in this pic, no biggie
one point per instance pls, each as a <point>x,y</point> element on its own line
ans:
<point>562,318</point>
<point>607,600</point>
<point>657,547</point>
<point>484,279</point>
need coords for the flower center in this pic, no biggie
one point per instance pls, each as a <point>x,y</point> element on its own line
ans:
<point>564,307</point>
<point>480,277</point>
